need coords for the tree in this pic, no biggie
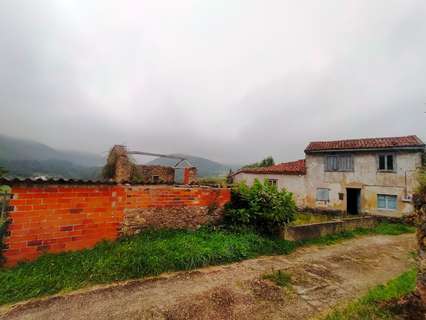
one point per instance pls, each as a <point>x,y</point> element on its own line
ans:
<point>268,161</point>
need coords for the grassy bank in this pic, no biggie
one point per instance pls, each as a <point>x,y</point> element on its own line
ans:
<point>148,254</point>
<point>384,228</point>
<point>373,305</point>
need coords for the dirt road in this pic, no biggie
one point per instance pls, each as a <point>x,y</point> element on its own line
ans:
<point>321,277</point>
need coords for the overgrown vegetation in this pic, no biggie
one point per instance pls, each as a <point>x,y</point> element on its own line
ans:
<point>279,277</point>
<point>268,161</point>
<point>4,191</point>
<point>213,181</point>
<point>420,208</point>
<point>261,206</point>
<point>149,254</point>
<point>373,305</point>
<point>307,218</point>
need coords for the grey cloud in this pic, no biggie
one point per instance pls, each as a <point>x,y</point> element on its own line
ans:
<point>230,80</point>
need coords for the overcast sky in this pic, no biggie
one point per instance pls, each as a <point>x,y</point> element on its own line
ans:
<point>230,80</point>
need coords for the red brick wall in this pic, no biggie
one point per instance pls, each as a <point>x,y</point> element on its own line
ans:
<point>167,197</point>
<point>50,218</point>
<point>56,218</point>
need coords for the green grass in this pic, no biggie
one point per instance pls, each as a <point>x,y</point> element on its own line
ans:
<point>280,278</point>
<point>369,307</point>
<point>308,218</point>
<point>384,228</point>
<point>148,254</point>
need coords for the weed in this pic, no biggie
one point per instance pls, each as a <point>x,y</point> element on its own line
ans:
<point>280,278</point>
<point>147,254</point>
<point>384,228</point>
<point>151,253</point>
<point>371,306</point>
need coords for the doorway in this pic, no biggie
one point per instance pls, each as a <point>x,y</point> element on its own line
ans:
<point>353,202</point>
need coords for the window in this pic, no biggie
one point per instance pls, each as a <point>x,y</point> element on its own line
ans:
<point>155,179</point>
<point>386,162</point>
<point>323,194</point>
<point>273,182</point>
<point>386,201</point>
<point>342,162</point>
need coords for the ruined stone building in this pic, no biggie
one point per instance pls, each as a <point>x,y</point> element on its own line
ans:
<point>121,168</point>
<point>373,176</point>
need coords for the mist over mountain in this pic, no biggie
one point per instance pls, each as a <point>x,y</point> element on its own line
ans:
<point>13,149</point>
<point>27,158</point>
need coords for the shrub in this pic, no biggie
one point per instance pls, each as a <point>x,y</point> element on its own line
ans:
<point>261,206</point>
<point>3,218</point>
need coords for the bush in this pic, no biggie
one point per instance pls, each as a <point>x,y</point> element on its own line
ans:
<point>261,206</point>
<point>4,222</point>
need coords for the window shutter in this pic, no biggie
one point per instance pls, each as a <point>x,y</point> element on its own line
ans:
<point>382,165</point>
<point>391,202</point>
<point>339,163</point>
<point>323,194</point>
<point>381,201</point>
<point>331,163</point>
<point>386,201</point>
<point>389,159</point>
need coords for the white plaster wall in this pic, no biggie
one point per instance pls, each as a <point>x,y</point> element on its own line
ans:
<point>292,183</point>
<point>366,177</point>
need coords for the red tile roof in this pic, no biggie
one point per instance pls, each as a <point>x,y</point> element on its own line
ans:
<point>369,143</point>
<point>291,168</point>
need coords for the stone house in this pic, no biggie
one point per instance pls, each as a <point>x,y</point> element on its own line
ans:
<point>121,168</point>
<point>372,176</point>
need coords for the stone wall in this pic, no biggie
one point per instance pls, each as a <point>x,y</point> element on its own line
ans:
<point>172,207</point>
<point>316,230</point>
<point>154,174</point>
<point>121,168</point>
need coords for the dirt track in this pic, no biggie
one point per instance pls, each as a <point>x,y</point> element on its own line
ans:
<point>321,277</point>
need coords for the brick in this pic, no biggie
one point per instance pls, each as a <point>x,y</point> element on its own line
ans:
<point>75,210</point>
<point>23,208</point>
<point>34,243</point>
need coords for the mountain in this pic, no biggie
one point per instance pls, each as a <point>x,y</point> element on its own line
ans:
<point>26,158</point>
<point>22,149</point>
<point>206,167</point>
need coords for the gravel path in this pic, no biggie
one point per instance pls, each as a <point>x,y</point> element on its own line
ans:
<point>321,278</point>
